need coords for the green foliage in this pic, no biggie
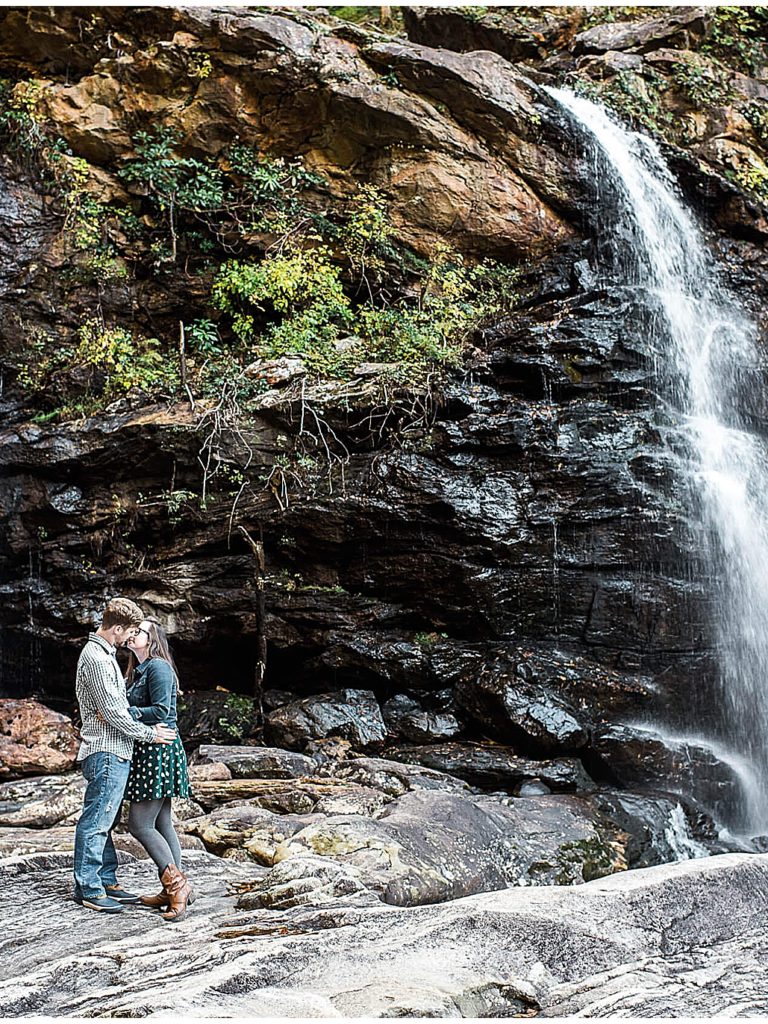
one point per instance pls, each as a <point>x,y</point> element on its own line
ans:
<point>753,177</point>
<point>265,193</point>
<point>21,122</point>
<point>737,36</point>
<point>203,337</point>
<point>200,66</point>
<point>237,720</point>
<point>303,286</point>
<point>366,236</point>
<point>634,97</point>
<point>245,191</point>
<point>704,86</point>
<point>128,363</point>
<point>170,180</point>
<point>45,355</point>
<point>428,639</point>
<point>757,115</point>
<point>305,289</point>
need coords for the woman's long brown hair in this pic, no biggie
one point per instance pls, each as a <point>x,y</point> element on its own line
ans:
<point>158,648</point>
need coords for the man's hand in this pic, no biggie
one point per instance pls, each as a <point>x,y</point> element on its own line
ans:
<point>163,734</point>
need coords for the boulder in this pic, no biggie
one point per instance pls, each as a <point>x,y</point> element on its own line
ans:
<point>407,720</point>
<point>680,28</point>
<point>214,772</point>
<point>246,827</point>
<point>353,715</point>
<point>394,778</point>
<point>640,756</point>
<point>428,845</point>
<point>659,827</point>
<point>545,701</point>
<point>42,801</point>
<point>305,880</point>
<point>300,796</point>
<point>35,740</point>
<point>257,762</point>
<point>522,711</point>
<point>493,765</point>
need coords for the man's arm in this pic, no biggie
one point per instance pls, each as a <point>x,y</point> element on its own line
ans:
<point>100,679</point>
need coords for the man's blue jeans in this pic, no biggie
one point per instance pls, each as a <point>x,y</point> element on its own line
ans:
<point>95,856</point>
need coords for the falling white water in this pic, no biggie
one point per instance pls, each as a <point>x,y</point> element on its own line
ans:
<point>705,347</point>
<point>681,842</point>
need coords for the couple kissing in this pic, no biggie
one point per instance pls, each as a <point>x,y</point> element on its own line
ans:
<point>130,749</point>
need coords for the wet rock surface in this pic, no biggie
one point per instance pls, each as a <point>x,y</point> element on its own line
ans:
<point>353,715</point>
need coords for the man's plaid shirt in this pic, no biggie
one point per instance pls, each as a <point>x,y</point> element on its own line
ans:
<point>100,687</point>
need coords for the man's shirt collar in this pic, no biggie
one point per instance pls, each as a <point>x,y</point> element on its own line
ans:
<point>100,640</point>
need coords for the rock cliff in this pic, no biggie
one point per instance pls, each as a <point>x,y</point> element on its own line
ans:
<point>494,538</point>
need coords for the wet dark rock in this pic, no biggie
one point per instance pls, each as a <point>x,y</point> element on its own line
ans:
<point>639,757</point>
<point>544,702</point>
<point>407,720</point>
<point>517,39</point>
<point>272,699</point>
<point>491,765</point>
<point>350,714</point>
<point>509,706</point>
<point>659,827</point>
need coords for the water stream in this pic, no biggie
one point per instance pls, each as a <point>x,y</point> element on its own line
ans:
<point>704,348</point>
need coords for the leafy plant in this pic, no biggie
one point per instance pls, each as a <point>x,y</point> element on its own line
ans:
<point>203,337</point>
<point>238,716</point>
<point>704,86</point>
<point>128,363</point>
<point>737,35</point>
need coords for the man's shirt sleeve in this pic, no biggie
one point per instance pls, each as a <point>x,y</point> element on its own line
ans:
<point>111,701</point>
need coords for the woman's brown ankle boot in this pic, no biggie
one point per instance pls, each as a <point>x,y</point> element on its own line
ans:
<point>156,902</point>
<point>179,893</point>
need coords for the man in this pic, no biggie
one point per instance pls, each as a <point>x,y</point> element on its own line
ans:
<point>107,734</point>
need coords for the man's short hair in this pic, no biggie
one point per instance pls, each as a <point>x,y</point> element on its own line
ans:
<point>121,612</point>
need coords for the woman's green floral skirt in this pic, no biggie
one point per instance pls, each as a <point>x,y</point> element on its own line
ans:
<point>158,770</point>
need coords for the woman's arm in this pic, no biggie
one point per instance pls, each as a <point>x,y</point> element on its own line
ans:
<point>161,682</point>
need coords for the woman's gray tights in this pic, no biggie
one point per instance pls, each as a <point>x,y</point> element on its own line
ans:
<point>150,822</point>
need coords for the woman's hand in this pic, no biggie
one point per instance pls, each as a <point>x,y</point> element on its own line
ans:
<point>100,717</point>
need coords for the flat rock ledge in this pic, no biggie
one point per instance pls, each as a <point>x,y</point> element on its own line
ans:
<point>681,939</point>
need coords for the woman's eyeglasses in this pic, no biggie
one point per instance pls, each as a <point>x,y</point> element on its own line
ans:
<point>140,629</point>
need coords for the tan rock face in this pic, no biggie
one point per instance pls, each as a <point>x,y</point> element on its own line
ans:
<point>446,135</point>
<point>34,740</point>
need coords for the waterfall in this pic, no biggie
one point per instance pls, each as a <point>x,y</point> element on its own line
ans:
<point>704,349</point>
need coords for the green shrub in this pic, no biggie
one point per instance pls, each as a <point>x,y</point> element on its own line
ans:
<point>737,36</point>
<point>129,363</point>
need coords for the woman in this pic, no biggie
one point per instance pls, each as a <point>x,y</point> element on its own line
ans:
<point>158,773</point>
